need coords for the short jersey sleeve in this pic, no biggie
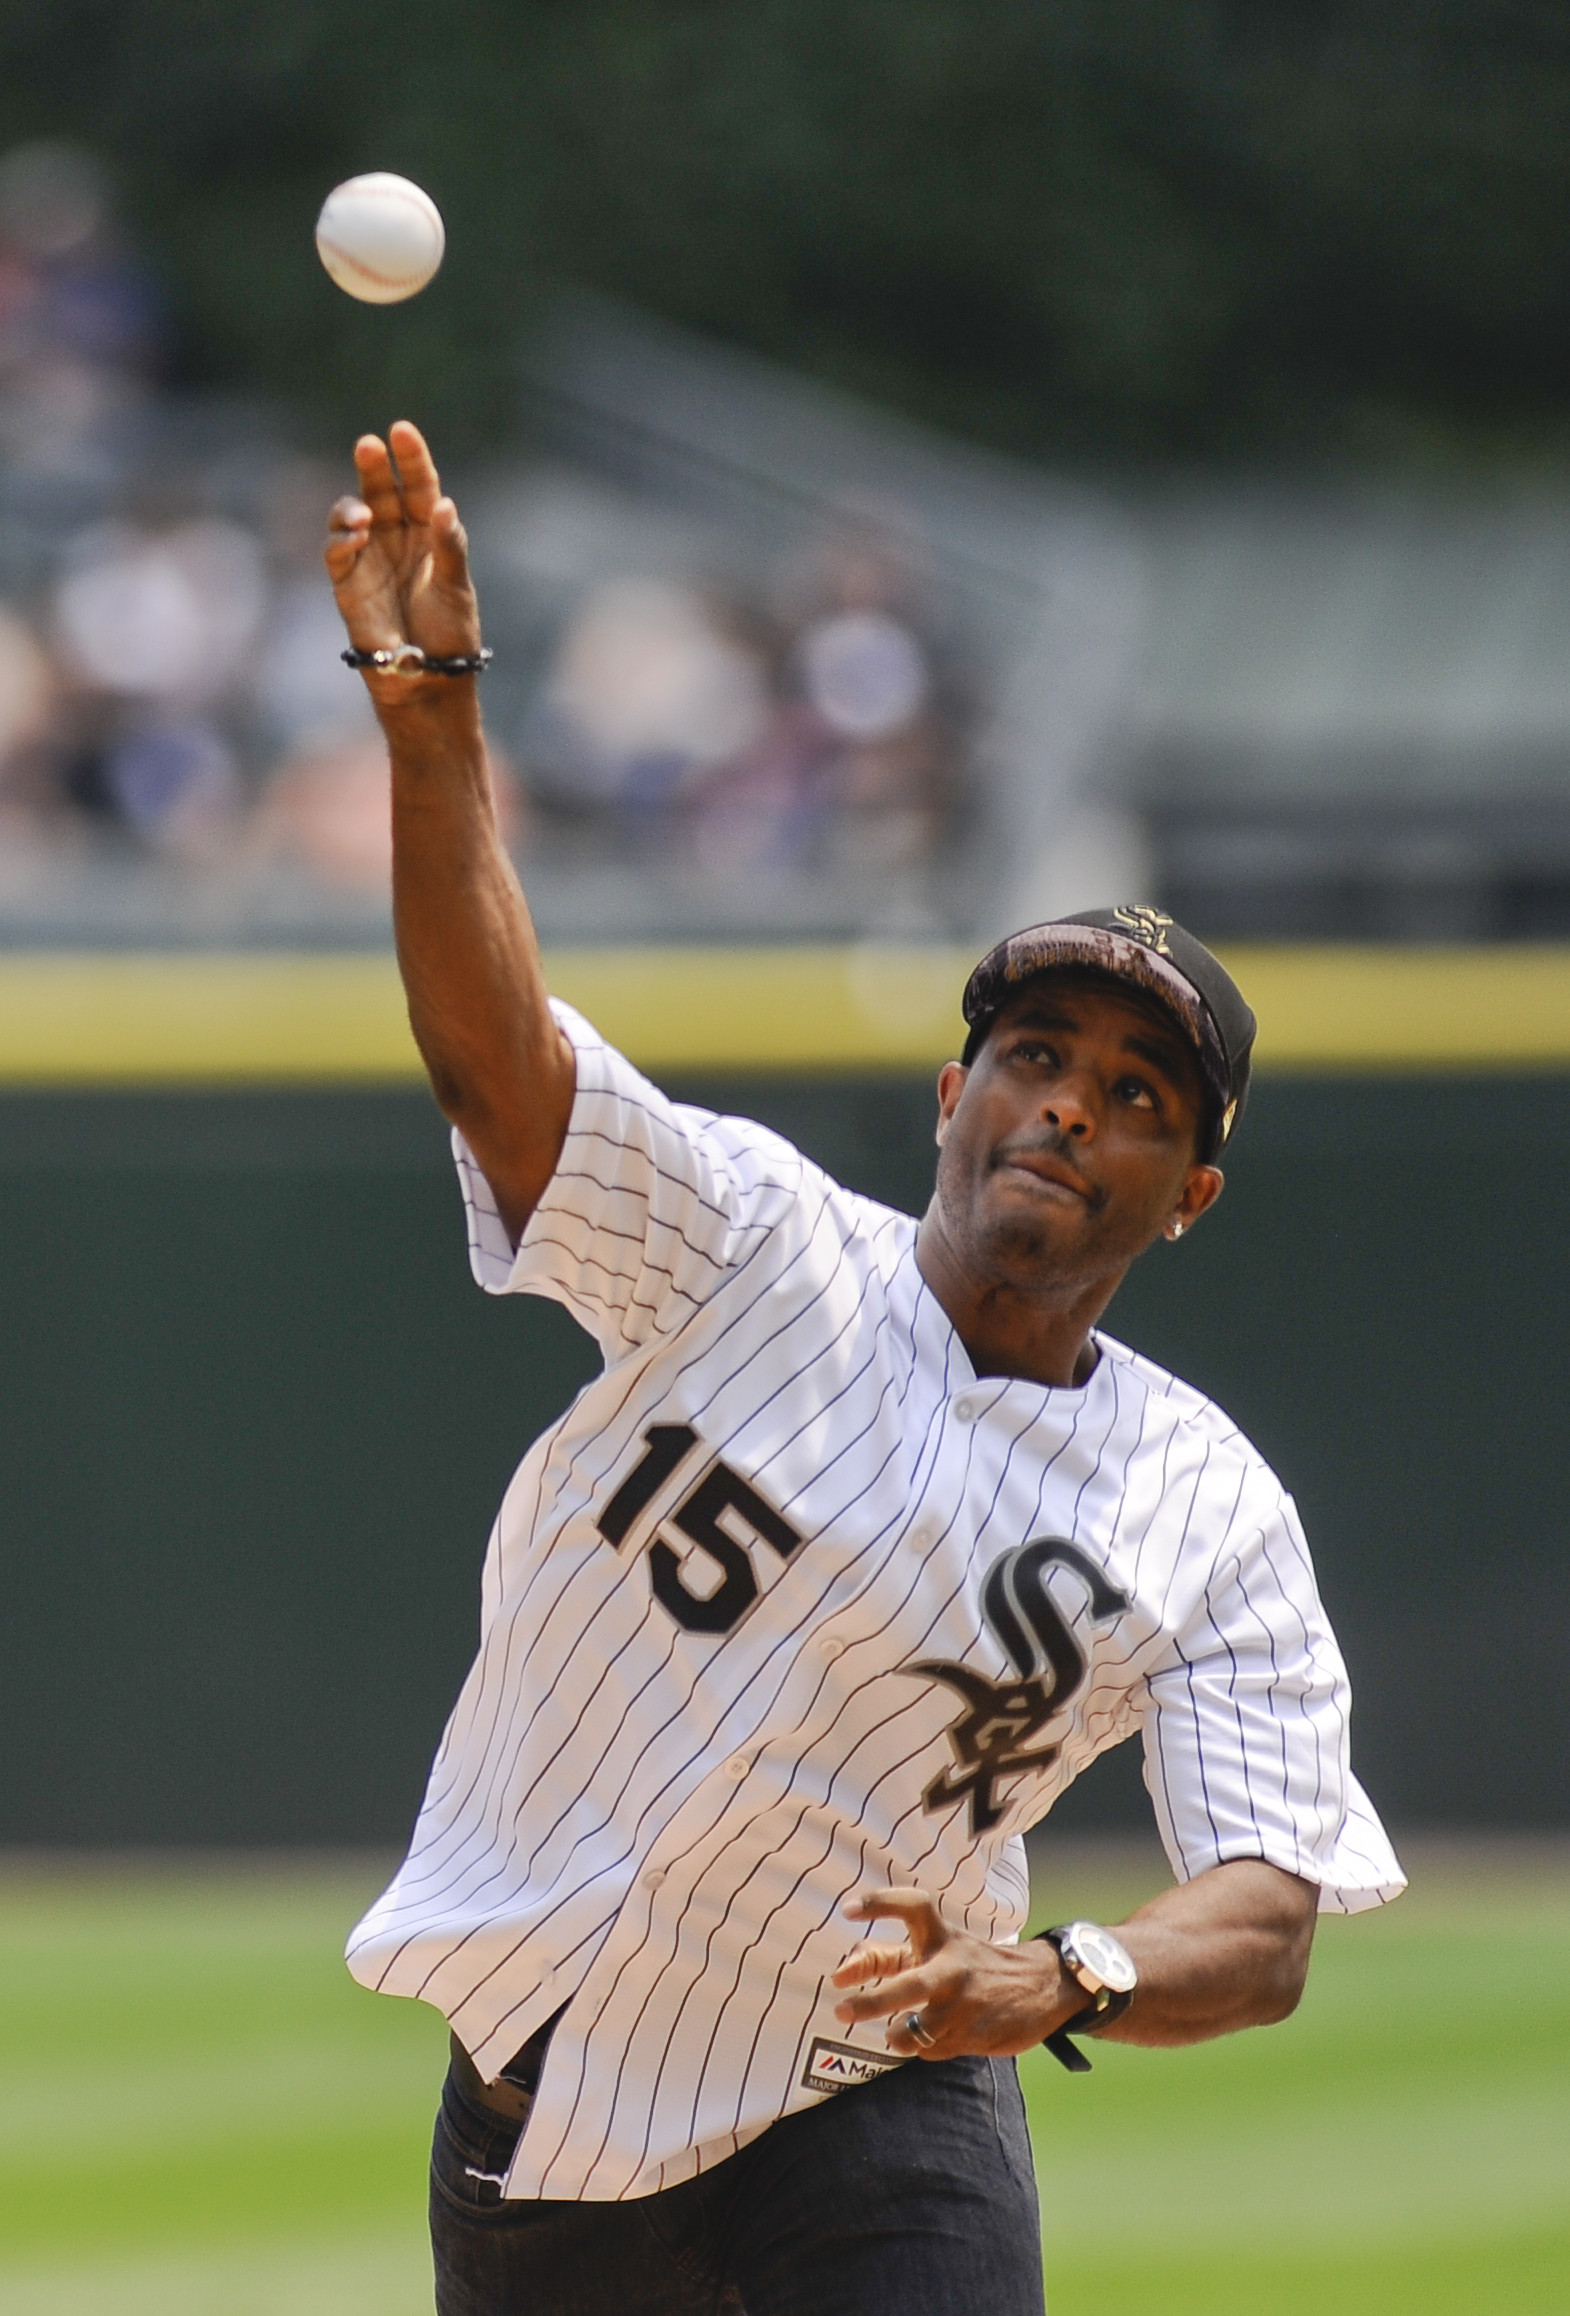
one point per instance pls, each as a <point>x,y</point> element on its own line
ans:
<point>652,1206</point>
<point>1247,1726</point>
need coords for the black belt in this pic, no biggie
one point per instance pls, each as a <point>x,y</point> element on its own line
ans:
<point>512,2094</point>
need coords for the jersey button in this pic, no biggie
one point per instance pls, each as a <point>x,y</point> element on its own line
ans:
<point>831,1646</point>
<point>654,1879</point>
<point>964,1411</point>
<point>737,1766</point>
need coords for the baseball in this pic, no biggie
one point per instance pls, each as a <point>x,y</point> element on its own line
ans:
<point>380,237</point>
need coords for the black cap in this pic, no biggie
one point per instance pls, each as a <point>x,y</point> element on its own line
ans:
<point>1140,945</point>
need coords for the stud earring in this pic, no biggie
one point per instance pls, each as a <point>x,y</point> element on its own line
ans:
<point>1177,1231</point>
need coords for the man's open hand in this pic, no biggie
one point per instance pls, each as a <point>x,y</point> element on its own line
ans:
<point>1227,1950</point>
<point>972,1997</point>
<point>399,561</point>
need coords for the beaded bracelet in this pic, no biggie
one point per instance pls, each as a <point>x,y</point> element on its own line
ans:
<point>407,659</point>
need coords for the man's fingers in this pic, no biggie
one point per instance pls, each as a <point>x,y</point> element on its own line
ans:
<point>348,534</point>
<point>344,550</point>
<point>904,2044</point>
<point>912,1907</point>
<point>907,1990</point>
<point>379,482</point>
<point>349,514</point>
<point>449,545</point>
<point>422,488</point>
<point>869,1962</point>
<point>397,553</point>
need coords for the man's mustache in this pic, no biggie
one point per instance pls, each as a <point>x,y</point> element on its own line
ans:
<point>1051,1152</point>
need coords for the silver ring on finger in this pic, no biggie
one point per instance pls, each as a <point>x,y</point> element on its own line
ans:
<point>917,2032</point>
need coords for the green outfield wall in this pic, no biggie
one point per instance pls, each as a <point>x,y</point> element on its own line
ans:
<point>255,1421</point>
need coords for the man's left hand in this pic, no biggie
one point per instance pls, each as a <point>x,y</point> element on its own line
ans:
<point>1227,1950</point>
<point>970,1997</point>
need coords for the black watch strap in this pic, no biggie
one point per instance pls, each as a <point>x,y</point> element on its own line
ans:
<point>1067,2054</point>
<point>1099,2011</point>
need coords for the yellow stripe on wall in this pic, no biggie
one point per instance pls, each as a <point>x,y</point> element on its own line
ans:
<point>202,1020</point>
<point>236,1019</point>
<point>1408,1009</point>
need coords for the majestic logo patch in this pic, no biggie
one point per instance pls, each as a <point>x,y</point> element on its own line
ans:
<point>836,2066</point>
<point>991,1739</point>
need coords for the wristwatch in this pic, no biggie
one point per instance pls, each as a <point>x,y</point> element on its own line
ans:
<point>1104,1967</point>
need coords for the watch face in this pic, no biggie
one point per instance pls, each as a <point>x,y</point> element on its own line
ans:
<point>1102,1954</point>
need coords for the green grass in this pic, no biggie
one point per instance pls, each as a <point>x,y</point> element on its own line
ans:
<point>1402,2143</point>
<point>199,2112</point>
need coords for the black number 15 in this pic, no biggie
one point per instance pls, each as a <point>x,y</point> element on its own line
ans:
<point>708,1516</point>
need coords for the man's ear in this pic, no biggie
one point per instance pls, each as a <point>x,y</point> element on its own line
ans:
<point>951,1084</point>
<point>1200,1192</point>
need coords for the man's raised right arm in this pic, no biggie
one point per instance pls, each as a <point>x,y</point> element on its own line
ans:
<point>501,1069</point>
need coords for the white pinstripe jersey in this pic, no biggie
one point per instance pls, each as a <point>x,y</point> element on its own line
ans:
<point>789,1602</point>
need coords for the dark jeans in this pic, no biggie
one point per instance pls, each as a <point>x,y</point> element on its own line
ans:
<point>912,2195</point>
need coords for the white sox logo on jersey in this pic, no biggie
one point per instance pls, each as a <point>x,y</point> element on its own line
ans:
<point>679,1500</point>
<point>991,1738</point>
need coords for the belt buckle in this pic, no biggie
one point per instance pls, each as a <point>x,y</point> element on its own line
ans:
<point>505,2098</point>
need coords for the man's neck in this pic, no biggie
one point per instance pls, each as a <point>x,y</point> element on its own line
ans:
<point>1042,1336</point>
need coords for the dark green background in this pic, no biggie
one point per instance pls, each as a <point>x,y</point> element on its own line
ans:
<point>254,1422</point>
<point>1093,229</point>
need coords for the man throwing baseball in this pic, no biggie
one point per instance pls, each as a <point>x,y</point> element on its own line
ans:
<point>862,1545</point>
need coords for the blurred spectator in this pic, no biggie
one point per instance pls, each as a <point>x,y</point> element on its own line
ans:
<point>79,321</point>
<point>864,673</point>
<point>159,625</point>
<point>305,699</point>
<point>330,813</point>
<point>175,783</point>
<point>155,616</point>
<point>29,796</point>
<point>857,765</point>
<point>673,720</point>
<point>647,693</point>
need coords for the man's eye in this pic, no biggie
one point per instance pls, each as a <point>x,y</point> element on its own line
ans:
<point>1033,1050</point>
<point>1136,1092</point>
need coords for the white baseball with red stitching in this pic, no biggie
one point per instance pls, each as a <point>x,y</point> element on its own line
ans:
<point>380,237</point>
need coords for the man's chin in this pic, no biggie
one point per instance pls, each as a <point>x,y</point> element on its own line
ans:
<point>1037,1239</point>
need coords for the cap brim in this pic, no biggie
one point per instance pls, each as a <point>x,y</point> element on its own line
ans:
<point>1041,948</point>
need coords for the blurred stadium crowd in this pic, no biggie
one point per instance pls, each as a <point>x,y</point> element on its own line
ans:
<point>816,722</point>
<point>180,742</point>
<point>769,663</point>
